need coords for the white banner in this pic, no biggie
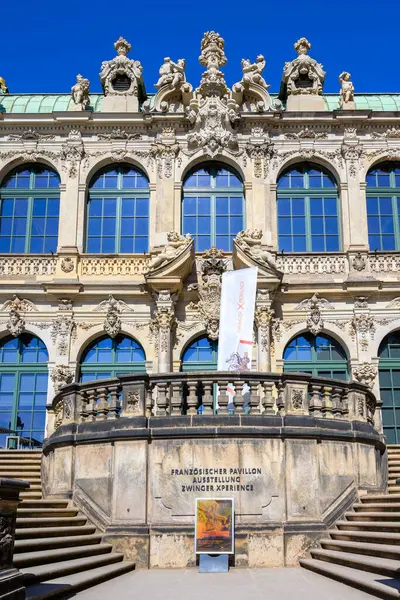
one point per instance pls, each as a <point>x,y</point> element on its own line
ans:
<point>238,299</point>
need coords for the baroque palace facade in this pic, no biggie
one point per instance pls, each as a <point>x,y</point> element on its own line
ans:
<point>120,211</point>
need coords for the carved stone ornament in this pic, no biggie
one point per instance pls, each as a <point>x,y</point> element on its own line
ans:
<point>211,267</point>
<point>306,134</point>
<point>72,152</point>
<point>313,306</point>
<point>346,99</point>
<point>250,241</point>
<point>3,86</point>
<point>80,92</point>
<point>366,373</point>
<point>132,401</point>
<point>352,152</point>
<point>6,539</point>
<point>262,318</point>
<point>112,322</point>
<point>162,323</point>
<point>261,151</point>
<point>121,75</point>
<point>361,302</point>
<point>303,75</point>
<point>363,326</point>
<point>165,154</point>
<point>15,323</point>
<point>67,264</point>
<point>389,133</point>
<point>359,263</point>
<point>16,306</point>
<point>62,329</point>
<point>177,243</point>
<point>60,376</point>
<point>297,399</point>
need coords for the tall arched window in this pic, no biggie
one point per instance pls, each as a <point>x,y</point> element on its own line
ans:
<point>389,383</point>
<point>213,206</point>
<point>23,388</point>
<point>118,212</point>
<point>200,355</point>
<point>30,202</point>
<point>107,357</point>
<point>316,354</point>
<point>383,206</point>
<point>308,210</point>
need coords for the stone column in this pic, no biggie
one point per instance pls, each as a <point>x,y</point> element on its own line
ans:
<point>11,580</point>
<point>352,152</point>
<point>262,317</point>
<point>163,324</point>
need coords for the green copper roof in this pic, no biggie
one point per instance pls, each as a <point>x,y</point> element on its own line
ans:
<point>43,103</point>
<point>48,103</point>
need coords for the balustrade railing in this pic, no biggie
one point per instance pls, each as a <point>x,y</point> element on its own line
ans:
<point>207,393</point>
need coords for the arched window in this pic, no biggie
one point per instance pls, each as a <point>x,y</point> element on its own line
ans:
<point>23,388</point>
<point>212,206</point>
<point>30,202</point>
<point>383,206</point>
<point>316,354</point>
<point>200,355</point>
<point>389,383</point>
<point>308,210</point>
<point>107,357</point>
<point>118,212</point>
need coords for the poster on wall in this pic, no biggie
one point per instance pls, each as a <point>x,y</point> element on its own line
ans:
<point>214,526</point>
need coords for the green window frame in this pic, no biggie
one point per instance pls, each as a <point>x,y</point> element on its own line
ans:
<point>23,388</point>
<point>110,357</point>
<point>200,355</point>
<point>383,206</point>
<point>29,210</point>
<point>308,210</point>
<point>389,385</point>
<point>318,355</point>
<point>213,206</point>
<point>117,214</point>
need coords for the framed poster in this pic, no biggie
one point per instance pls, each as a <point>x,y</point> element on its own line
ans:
<point>214,526</point>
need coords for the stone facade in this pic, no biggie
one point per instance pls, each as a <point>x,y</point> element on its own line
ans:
<point>168,296</point>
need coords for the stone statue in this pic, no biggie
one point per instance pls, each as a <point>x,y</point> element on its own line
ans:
<point>252,71</point>
<point>80,92</point>
<point>346,91</point>
<point>250,241</point>
<point>171,73</point>
<point>3,86</point>
<point>170,250</point>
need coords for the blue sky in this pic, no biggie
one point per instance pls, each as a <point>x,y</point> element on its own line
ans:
<point>45,44</point>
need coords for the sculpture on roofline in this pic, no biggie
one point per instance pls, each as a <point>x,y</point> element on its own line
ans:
<point>171,73</point>
<point>303,75</point>
<point>80,92</point>
<point>346,91</point>
<point>3,86</point>
<point>252,72</point>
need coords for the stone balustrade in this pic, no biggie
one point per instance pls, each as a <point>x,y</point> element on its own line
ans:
<point>198,393</point>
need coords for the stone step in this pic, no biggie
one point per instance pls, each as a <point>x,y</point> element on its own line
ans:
<point>69,584</point>
<point>45,503</point>
<point>393,489</point>
<point>371,583</point>
<point>53,543</point>
<point>51,571</point>
<point>51,522</point>
<point>20,453</point>
<point>46,512</point>
<point>11,465</point>
<point>380,498</point>
<point>373,516</point>
<point>41,557</point>
<point>376,537</point>
<point>29,533</point>
<point>383,566</point>
<point>17,474</point>
<point>377,506</point>
<point>380,550</point>
<point>31,495</point>
<point>388,526</point>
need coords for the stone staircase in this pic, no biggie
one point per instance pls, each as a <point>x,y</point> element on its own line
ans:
<point>56,549</point>
<point>364,549</point>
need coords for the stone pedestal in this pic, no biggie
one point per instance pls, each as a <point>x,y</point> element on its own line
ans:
<point>305,102</point>
<point>11,580</point>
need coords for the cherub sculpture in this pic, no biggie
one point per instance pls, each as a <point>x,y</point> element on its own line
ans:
<point>170,250</point>
<point>347,89</point>
<point>171,73</point>
<point>250,241</point>
<point>80,92</point>
<point>252,71</point>
<point>3,86</point>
